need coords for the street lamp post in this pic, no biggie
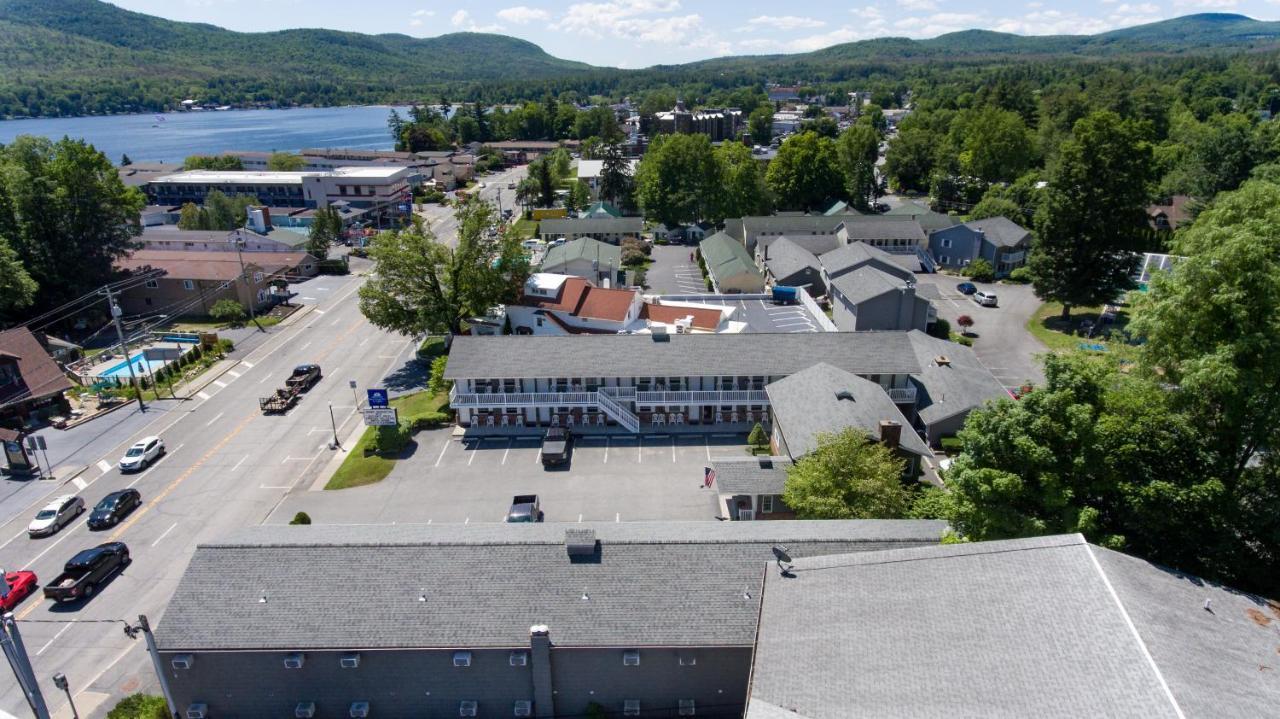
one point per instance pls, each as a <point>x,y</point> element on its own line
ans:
<point>334,424</point>
<point>253,291</point>
<point>60,681</point>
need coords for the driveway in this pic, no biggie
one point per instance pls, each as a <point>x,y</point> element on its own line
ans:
<point>1000,336</point>
<point>767,316</point>
<point>672,273</point>
<point>609,478</point>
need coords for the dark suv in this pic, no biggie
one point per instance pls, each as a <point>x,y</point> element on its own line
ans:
<point>113,508</point>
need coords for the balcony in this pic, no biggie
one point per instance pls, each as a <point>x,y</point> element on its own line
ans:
<point>703,397</point>
<point>902,395</point>
<point>521,399</point>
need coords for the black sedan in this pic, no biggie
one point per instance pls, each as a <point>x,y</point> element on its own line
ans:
<point>113,508</point>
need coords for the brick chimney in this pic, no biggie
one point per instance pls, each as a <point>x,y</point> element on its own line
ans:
<point>890,433</point>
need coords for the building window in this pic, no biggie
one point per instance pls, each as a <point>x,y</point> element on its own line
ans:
<point>766,504</point>
<point>943,259</point>
<point>152,284</point>
<point>686,708</point>
<point>631,658</point>
<point>522,708</point>
<point>467,708</point>
<point>462,659</point>
<point>630,707</point>
<point>257,277</point>
<point>188,285</point>
<point>946,243</point>
<point>519,658</point>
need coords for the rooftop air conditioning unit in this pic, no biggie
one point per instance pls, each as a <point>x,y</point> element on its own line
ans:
<point>293,661</point>
<point>182,661</point>
<point>359,710</point>
<point>462,659</point>
<point>197,711</point>
<point>631,658</point>
<point>349,661</point>
<point>304,710</point>
<point>522,708</point>
<point>467,708</point>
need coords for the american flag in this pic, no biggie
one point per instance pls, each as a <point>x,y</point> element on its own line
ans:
<point>708,477</point>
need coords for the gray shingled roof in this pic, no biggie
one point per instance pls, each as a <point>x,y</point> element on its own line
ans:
<point>692,355</point>
<point>786,260</point>
<point>807,404</point>
<point>649,584</point>
<point>945,391</point>
<point>865,283</point>
<point>855,254</point>
<point>574,226</point>
<point>751,475</point>
<point>792,224</point>
<point>883,227</point>
<point>1001,231</point>
<point>583,248</point>
<point>1048,627</point>
<point>928,219</point>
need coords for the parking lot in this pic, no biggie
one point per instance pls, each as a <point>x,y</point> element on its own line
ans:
<point>1000,336</point>
<point>614,478</point>
<point>766,315</point>
<point>672,273</point>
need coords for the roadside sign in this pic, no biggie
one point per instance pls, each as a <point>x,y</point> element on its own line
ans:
<point>377,397</point>
<point>35,442</point>
<point>381,417</point>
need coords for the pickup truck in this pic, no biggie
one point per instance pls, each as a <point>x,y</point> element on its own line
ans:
<point>304,377</point>
<point>524,508</point>
<point>85,571</point>
<point>556,446</point>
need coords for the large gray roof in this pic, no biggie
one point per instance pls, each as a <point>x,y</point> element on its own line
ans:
<point>856,254</point>
<point>1001,231</point>
<point>792,224</point>
<point>787,259</point>
<point>354,587</point>
<point>583,248</point>
<point>808,403</point>
<point>962,384</point>
<point>883,227</point>
<point>928,219</point>
<point>865,283</point>
<point>691,355</point>
<point>1047,627</point>
<point>751,475</point>
<point>573,226</point>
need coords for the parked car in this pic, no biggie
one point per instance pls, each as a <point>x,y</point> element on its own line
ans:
<point>966,288</point>
<point>984,298</point>
<point>17,587</point>
<point>141,454</point>
<point>55,515</point>
<point>557,444</point>
<point>524,508</point>
<point>88,569</point>
<point>511,185</point>
<point>113,508</point>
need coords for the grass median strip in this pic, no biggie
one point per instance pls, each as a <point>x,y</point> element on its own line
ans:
<point>365,465</point>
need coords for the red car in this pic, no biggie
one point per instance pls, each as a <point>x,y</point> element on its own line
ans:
<point>21,585</point>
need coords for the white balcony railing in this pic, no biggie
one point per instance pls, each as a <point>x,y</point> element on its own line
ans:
<point>703,397</point>
<point>902,395</point>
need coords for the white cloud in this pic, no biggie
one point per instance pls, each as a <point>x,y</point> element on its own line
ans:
<point>460,18</point>
<point>1036,4</point>
<point>784,22</point>
<point>639,20</point>
<point>523,14</point>
<point>416,22</point>
<point>423,13</point>
<point>1205,3</point>
<point>918,4</point>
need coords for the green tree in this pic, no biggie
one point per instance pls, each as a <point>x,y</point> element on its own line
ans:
<point>991,206</point>
<point>436,383</point>
<point>17,289</point>
<point>598,122</point>
<point>579,197</point>
<point>909,161</point>
<point>193,217</point>
<point>980,270</point>
<point>227,310</point>
<point>66,214</point>
<point>857,148</point>
<point>285,162</point>
<point>300,518</point>
<point>805,173</point>
<point>560,163</point>
<point>1092,214</point>
<point>125,161</point>
<point>847,477</point>
<point>759,123</point>
<point>212,162</point>
<point>758,437</point>
<point>326,229</point>
<point>421,285</point>
<point>678,181</point>
<point>140,706</point>
<point>542,172</point>
<point>742,190</point>
<point>227,212</point>
<point>995,145</point>
<point>615,176</point>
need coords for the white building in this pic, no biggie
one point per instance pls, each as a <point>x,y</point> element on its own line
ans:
<point>370,187</point>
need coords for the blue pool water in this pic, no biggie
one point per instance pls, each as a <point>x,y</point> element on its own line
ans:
<point>141,367</point>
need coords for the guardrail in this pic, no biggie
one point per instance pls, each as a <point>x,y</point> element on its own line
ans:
<point>902,395</point>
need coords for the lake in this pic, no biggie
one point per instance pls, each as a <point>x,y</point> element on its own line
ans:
<point>171,137</point>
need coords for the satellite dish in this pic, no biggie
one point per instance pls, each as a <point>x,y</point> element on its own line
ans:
<point>781,554</point>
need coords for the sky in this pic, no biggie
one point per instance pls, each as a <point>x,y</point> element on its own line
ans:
<point>639,33</point>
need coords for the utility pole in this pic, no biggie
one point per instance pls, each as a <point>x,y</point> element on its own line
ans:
<point>124,346</point>
<point>11,643</point>
<point>253,296</point>
<point>60,681</point>
<point>159,665</point>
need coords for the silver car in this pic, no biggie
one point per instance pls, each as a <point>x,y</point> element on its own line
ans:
<point>55,515</point>
<point>984,298</point>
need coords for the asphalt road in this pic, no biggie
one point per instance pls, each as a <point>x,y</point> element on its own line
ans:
<point>441,218</point>
<point>228,466</point>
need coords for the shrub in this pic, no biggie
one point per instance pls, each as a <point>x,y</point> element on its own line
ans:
<point>226,345</point>
<point>1021,275</point>
<point>430,420</point>
<point>965,322</point>
<point>391,439</point>
<point>980,271</point>
<point>436,383</point>
<point>639,277</point>
<point>335,266</point>
<point>632,256</point>
<point>228,311</point>
<point>758,437</point>
<point>140,706</point>
<point>301,518</point>
<point>709,285</point>
<point>962,340</point>
<point>952,445</point>
<point>940,329</point>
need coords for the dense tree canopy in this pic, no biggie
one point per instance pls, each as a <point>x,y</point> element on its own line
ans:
<point>805,175</point>
<point>848,477</point>
<point>679,180</point>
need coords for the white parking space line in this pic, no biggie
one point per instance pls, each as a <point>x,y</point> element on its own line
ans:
<point>233,373</point>
<point>606,450</point>
<point>55,637</point>
<point>202,395</point>
<point>102,465</point>
<point>617,517</point>
<point>508,450</point>
<point>247,364</point>
<point>336,322</point>
<point>166,533</point>
<point>707,443</point>
<point>673,449</point>
<point>242,459</point>
<point>220,383</point>
<point>216,417</point>
<point>538,458</point>
<point>312,299</point>
<point>307,344</point>
<point>296,459</point>
<point>364,341</point>
<point>79,483</point>
<point>319,312</point>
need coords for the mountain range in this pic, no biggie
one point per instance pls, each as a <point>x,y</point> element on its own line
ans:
<point>78,56</point>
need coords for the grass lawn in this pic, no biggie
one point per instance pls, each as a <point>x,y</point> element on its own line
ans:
<point>1047,326</point>
<point>525,229</point>
<point>359,468</point>
<point>431,347</point>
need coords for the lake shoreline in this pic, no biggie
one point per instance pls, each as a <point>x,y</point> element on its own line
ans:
<point>193,112</point>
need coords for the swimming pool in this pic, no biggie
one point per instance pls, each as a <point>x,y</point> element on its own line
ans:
<point>141,366</point>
